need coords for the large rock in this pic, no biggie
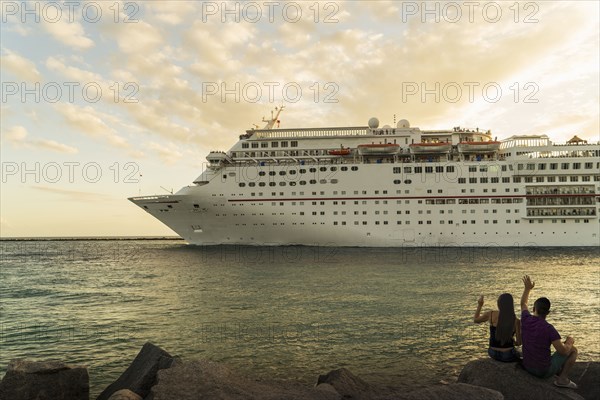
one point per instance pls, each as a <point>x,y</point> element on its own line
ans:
<point>350,386</point>
<point>457,391</point>
<point>140,376</point>
<point>209,380</point>
<point>515,383</point>
<point>587,376</point>
<point>50,380</point>
<point>203,379</point>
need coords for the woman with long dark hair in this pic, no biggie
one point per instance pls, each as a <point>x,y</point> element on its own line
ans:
<point>505,328</point>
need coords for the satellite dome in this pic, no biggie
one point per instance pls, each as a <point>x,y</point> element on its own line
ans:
<point>403,123</point>
<point>373,123</point>
<point>386,127</point>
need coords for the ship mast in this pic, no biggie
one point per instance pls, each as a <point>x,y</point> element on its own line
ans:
<point>274,119</point>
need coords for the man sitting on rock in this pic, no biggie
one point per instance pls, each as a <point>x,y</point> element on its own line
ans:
<point>537,335</point>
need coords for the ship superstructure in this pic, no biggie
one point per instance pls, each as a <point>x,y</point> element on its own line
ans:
<point>389,187</point>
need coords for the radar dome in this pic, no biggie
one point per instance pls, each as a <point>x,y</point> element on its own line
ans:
<point>386,127</point>
<point>373,123</point>
<point>403,123</point>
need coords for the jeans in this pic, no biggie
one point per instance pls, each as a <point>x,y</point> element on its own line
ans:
<point>505,356</point>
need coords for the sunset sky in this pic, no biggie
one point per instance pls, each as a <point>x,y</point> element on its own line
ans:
<point>106,100</point>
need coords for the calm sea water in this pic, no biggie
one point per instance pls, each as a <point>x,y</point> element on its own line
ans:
<point>392,316</point>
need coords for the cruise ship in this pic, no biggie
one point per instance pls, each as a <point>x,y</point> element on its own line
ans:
<point>389,186</point>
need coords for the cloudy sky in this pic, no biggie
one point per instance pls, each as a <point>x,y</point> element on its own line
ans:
<point>105,100</point>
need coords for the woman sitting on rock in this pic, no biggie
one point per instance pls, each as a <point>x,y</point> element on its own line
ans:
<point>505,329</point>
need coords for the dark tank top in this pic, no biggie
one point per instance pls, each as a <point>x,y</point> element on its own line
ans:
<point>496,343</point>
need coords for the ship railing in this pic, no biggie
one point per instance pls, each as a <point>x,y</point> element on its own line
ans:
<point>308,158</point>
<point>144,198</point>
<point>309,132</point>
<point>584,143</point>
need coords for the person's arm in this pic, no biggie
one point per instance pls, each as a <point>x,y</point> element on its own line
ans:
<point>518,340</point>
<point>525,297</point>
<point>564,348</point>
<point>483,317</point>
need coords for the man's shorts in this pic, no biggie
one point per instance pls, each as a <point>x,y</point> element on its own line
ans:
<point>556,364</point>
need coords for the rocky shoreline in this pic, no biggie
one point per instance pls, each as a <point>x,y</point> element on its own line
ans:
<point>156,375</point>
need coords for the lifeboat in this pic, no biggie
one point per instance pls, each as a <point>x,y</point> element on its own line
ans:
<point>340,152</point>
<point>378,149</point>
<point>217,156</point>
<point>216,159</point>
<point>478,147</point>
<point>429,148</point>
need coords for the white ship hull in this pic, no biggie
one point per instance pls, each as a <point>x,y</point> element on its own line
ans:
<point>396,203</point>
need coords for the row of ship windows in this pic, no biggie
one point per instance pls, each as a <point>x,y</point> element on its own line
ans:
<point>303,171</point>
<point>531,179</point>
<point>530,212</point>
<point>529,190</point>
<point>450,222</point>
<point>396,170</point>
<point>355,212</point>
<point>560,201</point>
<point>554,166</point>
<point>559,189</point>
<point>385,202</point>
<point>584,178</point>
<point>335,181</point>
<point>520,166</point>
<point>312,182</point>
<point>530,202</point>
<point>263,145</point>
<point>528,179</point>
<point>561,212</point>
<point>322,193</point>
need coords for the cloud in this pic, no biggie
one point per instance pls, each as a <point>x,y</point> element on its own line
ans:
<point>218,46</point>
<point>169,153</point>
<point>149,114</point>
<point>19,29</point>
<point>18,137</point>
<point>55,146</point>
<point>74,73</point>
<point>387,10</point>
<point>20,66</point>
<point>70,34</point>
<point>139,37</point>
<point>91,123</point>
<point>171,13</point>
<point>15,134</point>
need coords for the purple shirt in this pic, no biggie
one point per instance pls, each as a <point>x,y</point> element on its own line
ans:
<point>537,336</point>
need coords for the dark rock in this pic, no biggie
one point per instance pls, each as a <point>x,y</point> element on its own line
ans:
<point>348,385</point>
<point>515,383</point>
<point>587,376</point>
<point>125,394</point>
<point>50,380</point>
<point>209,380</point>
<point>140,376</point>
<point>457,391</point>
